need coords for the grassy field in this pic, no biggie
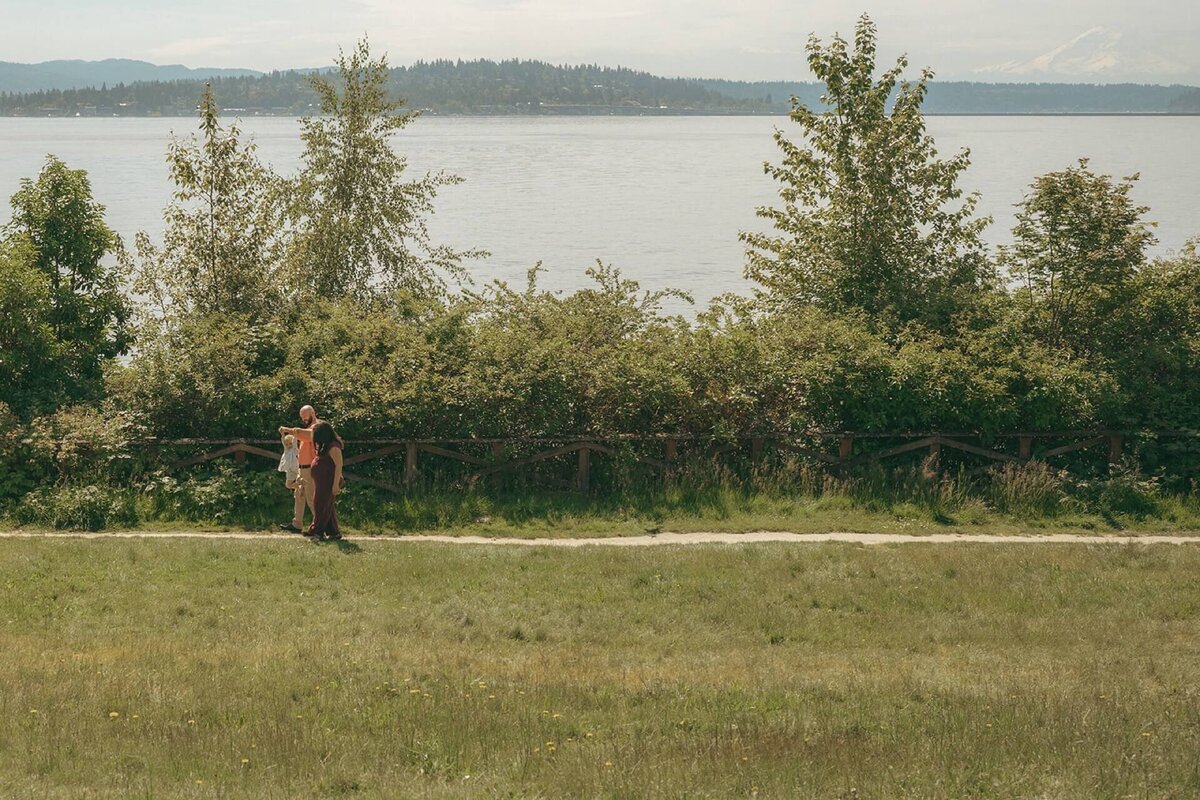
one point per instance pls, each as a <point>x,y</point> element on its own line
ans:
<point>289,670</point>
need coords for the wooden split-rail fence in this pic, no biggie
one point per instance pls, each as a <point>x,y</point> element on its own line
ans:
<point>840,451</point>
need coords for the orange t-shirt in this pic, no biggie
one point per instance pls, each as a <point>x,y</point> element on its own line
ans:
<point>307,450</point>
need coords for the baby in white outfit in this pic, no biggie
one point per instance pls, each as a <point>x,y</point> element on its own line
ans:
<point>289,462</point>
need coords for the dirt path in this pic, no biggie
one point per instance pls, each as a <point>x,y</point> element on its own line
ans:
<point>649,540</point>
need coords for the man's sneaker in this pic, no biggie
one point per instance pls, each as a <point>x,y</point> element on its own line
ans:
<point>290,528</point>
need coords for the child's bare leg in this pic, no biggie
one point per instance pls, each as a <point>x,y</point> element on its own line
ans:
<point>298,504</point>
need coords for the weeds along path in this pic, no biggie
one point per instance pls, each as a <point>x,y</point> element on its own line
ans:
<point>648,539</point>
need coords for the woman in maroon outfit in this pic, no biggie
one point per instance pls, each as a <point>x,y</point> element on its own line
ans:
<point>326,475</point>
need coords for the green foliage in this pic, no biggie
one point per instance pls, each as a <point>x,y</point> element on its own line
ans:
<point>222,231</point>
<point>16,477</point>
<point>228,495</point>
<point>1153,345</point>
<point>75,507</point>
<point>864,224</point>
<point>80,443</point>
<point>1127,494</point>
<point>209,375</point>
<point>1078,243</point>
<point>28,345</point>
<point>78,304</point>
<point>360,226</point>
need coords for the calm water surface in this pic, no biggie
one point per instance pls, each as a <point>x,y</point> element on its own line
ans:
<point>663,198</point>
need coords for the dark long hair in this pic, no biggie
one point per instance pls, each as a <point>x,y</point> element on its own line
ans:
<point>324,435</point>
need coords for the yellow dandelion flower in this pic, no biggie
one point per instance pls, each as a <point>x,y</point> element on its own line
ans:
<point>1145,733</point>
<point>608,763</point>
<point>588,734</point>
<point>135,716</point>
<point>33,711</point>
<point>556,716</point>
<point>114,714</point>
<point>191,722</point>
<point>245,761</point>
<point>491,697</point>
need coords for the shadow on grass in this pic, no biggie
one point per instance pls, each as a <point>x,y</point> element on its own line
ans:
<point>344,547</point>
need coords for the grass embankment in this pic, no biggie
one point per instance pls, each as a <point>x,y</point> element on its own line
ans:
<point>282,669</point>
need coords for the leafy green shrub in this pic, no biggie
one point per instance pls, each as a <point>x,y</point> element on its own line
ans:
<point>16,475</point>
<point>1128,494</point>
<point>78,507</point>
<point>80,444</point>
<point>228,495</point>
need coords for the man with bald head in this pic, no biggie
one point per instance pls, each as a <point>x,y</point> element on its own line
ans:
<point>305,488</point>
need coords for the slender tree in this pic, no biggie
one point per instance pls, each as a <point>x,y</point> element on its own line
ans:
<point>1078,243</point>
<point>360,226</point>
<point>223,229</point>
<point>867,220</point>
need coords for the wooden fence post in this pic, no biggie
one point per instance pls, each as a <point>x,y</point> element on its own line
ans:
<point>846,447</point>
<point>670,454</point>
<point>582,474</point>
<point>1115,442</point>
<point>239,456</point>
<point>410,462</point>
<point>497,458</point>
<point>756,449</point>
<point>933,464</point>
<point>1025,447</point>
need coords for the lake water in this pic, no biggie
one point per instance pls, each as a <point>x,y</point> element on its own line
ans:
<point>663,198</point>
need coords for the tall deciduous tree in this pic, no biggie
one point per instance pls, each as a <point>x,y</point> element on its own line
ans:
<point>1078,242</point>
<point>360,226</point>
<point>60,233</point>
<point>223,230</point>
<point>868,220</point>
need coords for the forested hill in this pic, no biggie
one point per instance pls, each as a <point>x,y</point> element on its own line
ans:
<point>964,97</point>
<point>450,87</point>
<point>76,74</point>
<point>535,87</point>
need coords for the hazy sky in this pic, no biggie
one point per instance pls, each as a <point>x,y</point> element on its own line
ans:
<point>1028,40</point>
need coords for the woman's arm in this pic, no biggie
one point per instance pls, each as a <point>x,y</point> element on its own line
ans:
<point>335,453</point>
